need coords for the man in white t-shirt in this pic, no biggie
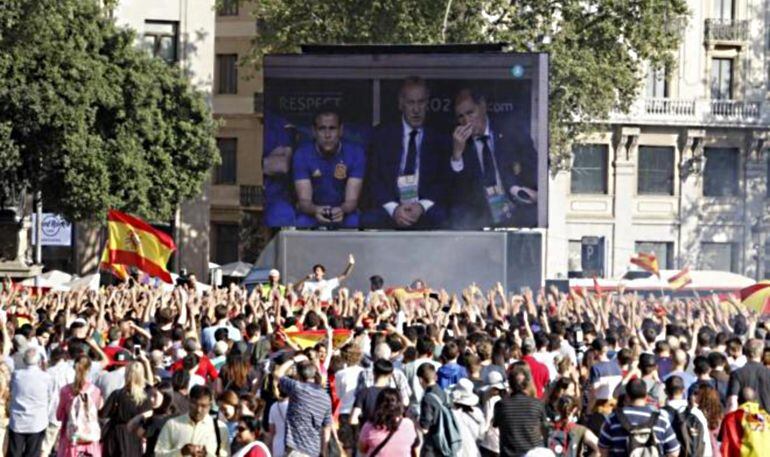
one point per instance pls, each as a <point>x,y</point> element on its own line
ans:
<point>315,282</point>
<point>277,426</point>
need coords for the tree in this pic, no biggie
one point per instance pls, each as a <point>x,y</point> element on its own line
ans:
<point>597,47</point>
<point>90,120</point>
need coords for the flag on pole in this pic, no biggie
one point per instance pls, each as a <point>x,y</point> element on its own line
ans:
<point>681,279</point>
<point>134,242</point>
<point>117,270</point>
<point>647,262</point>
<point>756,297</point>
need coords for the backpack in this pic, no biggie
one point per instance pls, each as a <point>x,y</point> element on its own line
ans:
<point>756,431</point>
<point>641,441</point>
<point>563,442</point>
<point>83,420</point>
<point>448,440</point>
<point>689,432</point>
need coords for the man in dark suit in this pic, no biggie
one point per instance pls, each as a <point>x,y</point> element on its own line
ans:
<point>494,172</point>
<point>408,169</point>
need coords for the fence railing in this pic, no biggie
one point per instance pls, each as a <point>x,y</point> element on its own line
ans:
<point>726,30</point>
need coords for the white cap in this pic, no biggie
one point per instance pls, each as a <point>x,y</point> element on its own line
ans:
<point>274,272</point>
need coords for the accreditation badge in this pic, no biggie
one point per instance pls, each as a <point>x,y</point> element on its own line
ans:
<point>516,168</point>
<point>407,188</point>
<point>499,205</point>
<point>340,171</point>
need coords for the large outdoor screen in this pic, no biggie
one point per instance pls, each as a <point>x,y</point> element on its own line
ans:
<point>406,141</point>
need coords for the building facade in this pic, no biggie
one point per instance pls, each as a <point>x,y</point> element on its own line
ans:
<point>182,33</point>
<point>684,173</point>
<point>236,191</point>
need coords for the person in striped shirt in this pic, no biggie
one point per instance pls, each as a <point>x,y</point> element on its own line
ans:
<point>308,417</point>
<point>613,437</point>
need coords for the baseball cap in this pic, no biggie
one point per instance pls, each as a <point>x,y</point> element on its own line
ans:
<point>119,357</point>
<point>274,272</point>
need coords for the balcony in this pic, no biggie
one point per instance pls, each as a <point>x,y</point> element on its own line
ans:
<point>669,107</point>
<point>726,30</point>
<point>694,112</point>
<point>252,196</point>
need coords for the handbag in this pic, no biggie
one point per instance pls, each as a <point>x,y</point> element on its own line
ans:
<point>385,441</point>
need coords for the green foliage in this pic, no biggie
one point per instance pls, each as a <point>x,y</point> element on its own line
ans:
<point>597,47</point>
<point>95,122</point>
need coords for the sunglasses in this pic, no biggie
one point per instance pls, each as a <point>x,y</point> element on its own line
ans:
<point>241,428</point>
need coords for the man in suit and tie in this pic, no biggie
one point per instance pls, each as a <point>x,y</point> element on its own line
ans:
<point>494,172</point>
<point>408,167</point>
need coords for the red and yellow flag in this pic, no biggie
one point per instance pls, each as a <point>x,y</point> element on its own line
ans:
<point>134,242</point>
<point>310,338</point>
<point>117,270</point>
<point>680,279</point>
<point>647,262</point>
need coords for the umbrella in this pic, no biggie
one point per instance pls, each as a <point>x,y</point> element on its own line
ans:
<point>755,297</point>
<point>236,269</point>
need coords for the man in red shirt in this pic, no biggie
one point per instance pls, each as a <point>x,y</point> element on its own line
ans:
<point>539,371</point>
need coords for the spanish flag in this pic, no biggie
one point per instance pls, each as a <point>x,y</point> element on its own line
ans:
<point>310,338</point>
<point>134,242</point>
<point>117,270</point>
<point>680,279</point>
<point>647,262</point>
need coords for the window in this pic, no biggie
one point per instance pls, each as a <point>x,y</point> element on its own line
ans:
<point>663,250</point>
<point>589,169</point>
<point>655,170</point>
<point>657,84</point>
<point>160,39</point>
<point>718,256</point>
<point>721,79</point>
<point>228,8</point>
<point>574,256</point>
<point>226,243</point>
<point>227,72</point>
<point>722,9</point>
<point>226,172</point>
<point>720,175</point>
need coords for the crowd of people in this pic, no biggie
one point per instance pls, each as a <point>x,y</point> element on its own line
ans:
<point>316,369</point>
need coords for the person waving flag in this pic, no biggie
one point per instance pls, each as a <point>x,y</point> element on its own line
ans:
<point>647,262</point>
<point>681,279</point>
<point>134,242</point>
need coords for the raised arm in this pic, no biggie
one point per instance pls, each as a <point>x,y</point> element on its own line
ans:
<point>348,269</point>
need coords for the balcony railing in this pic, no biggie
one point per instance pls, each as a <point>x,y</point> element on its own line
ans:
<point>727,30</point>
<point>669,107</point>
<point>252,196</point>
<point>694,112</point>
<point>735,109</point>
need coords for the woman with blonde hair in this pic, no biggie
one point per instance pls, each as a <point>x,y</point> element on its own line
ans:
<point>81,438</point>
<point>121,406</point>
